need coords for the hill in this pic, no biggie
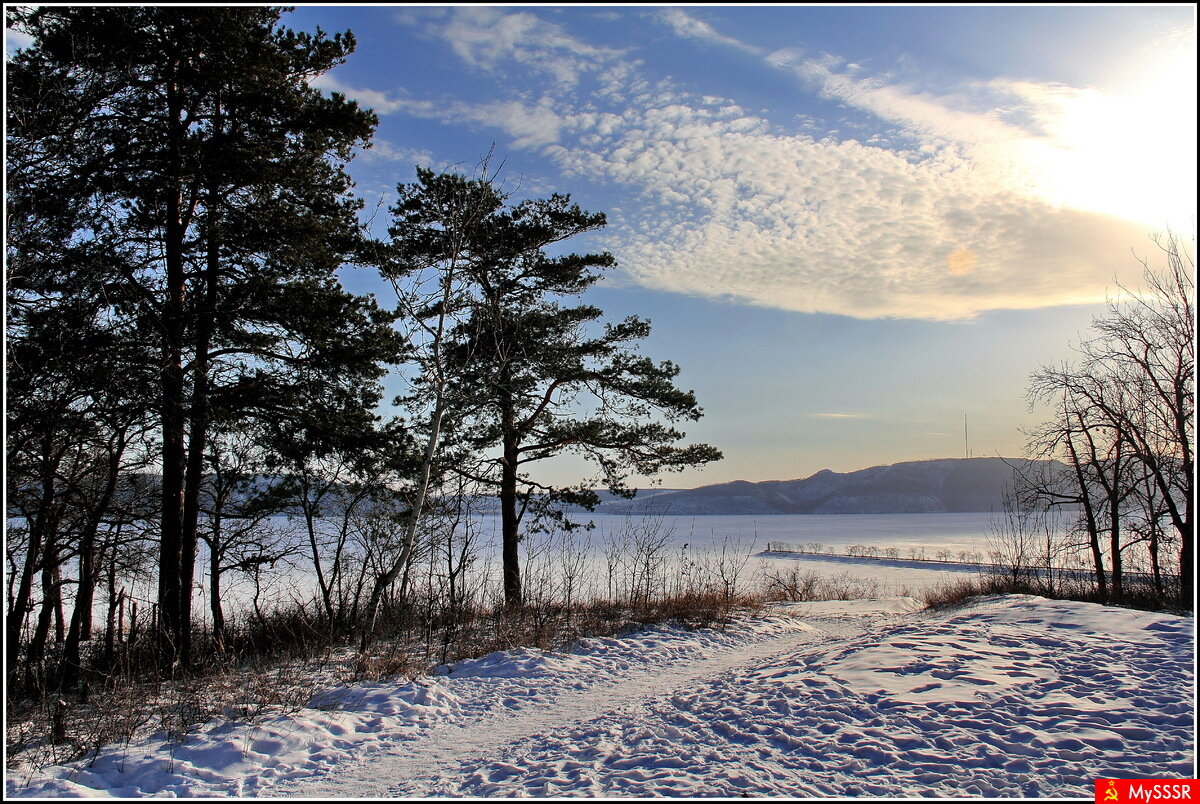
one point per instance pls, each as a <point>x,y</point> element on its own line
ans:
<point>950,485</point>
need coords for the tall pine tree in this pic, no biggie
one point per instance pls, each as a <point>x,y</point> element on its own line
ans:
<point>529,373</point>
<point>213,174</point>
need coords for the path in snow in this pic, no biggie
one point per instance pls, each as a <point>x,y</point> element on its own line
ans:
<point>450,751</point>
<point>1017,698</point>
<point>1008,697</point>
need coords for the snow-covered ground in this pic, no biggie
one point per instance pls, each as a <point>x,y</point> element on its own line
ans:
<point>1009,697</point>
<point>882,576</point>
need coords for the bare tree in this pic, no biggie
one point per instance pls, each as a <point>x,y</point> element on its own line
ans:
<point>237,529</point>
<point>1124,426</point>
<point>1147,342</point>
<point>424,262</point>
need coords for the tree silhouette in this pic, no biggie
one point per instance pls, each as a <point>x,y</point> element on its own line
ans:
<point>185,149</point>
<point>529,377</point>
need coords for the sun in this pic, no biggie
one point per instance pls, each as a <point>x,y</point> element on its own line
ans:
<point>1128,151</point>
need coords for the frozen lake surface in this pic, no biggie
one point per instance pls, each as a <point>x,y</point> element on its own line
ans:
<point>704,538</point>
<point>932,532</point>
<point>698,539</point>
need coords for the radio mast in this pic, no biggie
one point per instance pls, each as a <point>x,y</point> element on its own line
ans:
<point>966,441</point>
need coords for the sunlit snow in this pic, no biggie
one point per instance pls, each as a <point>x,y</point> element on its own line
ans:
<point>1010,696</point>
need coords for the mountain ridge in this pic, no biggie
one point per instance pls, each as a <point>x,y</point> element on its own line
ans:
<point>940,485</point>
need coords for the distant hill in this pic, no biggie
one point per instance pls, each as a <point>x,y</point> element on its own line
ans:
<point>950,485</point>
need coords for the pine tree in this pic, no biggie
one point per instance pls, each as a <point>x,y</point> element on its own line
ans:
<point>529,377</point>
<point>187,145</point>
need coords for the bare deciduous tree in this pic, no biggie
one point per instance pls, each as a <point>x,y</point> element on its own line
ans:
<point>1124,427</point>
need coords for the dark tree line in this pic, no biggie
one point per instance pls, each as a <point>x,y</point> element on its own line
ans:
<point>208,191</point>
<point>183,363</point>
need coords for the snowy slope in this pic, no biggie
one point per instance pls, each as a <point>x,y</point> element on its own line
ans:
<point>1011,697</point>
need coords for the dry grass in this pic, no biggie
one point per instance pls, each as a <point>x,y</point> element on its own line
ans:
<point>1138,592</point>
<point>389,661</point>
<point>953,593</point>
<point>796,585</point>
<point>50,730</point>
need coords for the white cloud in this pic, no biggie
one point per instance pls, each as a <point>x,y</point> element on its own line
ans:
<point>373,99</point>
<point>487,37</point>
<point>383,151</point>
<point>415,16</point>
<point>530,125</point>
<point>724,203</point>
<point>689,27</point>
<point>921,112</point>
<point>15,40</point>
<point>736,209</point>
<point>733,209</point>
<point>1130,155</point>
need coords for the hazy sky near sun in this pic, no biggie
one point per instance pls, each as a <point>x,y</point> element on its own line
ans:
<point>850,226</point>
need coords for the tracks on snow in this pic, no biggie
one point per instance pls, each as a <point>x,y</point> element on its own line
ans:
<point>454,748</point>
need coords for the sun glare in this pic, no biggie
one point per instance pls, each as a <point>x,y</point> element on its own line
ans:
<point>1129,152</point>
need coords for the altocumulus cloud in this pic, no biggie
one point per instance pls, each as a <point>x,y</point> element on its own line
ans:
<point>490,38</point>
<point>732,205</point>
<point>687,26</point>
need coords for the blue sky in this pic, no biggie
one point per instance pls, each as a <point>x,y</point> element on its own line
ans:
<point>850,226</point>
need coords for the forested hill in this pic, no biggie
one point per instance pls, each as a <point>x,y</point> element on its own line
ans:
<point>948,485</point>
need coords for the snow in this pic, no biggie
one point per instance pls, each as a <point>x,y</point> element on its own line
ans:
<point>885,576</point>
<point>1010,696</point>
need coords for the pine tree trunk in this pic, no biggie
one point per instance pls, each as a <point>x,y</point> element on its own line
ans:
<point>81,617</point>
<point>60,620</point>
<point>214,603</point>
<point>110,620</point>
<point>197,442</point>
<point>509,520</point>
<point>174,456</point>
<point>50,600</point>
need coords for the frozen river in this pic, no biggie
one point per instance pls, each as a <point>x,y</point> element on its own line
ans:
<point>712,539</point>
<point>620,546</point>
<point>931,532</point>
